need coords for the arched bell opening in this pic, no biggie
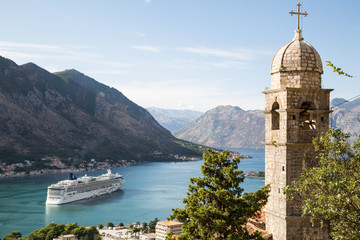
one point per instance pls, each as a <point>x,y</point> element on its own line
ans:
<point>307,121</point>
<point>275,116</point>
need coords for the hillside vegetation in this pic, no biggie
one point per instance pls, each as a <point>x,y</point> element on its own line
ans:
<point>74,117</point>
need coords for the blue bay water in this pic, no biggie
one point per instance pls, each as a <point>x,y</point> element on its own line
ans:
<point>150,190</point>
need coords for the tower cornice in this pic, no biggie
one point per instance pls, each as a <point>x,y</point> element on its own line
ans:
<point>297,90</point>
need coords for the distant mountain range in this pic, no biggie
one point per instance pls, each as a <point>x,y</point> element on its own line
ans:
<point>172,119</point>
<point>346,116</point>
<point>226,126</point>
<point>232,127</point>
<point>74,117</point>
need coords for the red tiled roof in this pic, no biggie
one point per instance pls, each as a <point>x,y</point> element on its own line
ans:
<point>258,224</point>
<point>170,223</point>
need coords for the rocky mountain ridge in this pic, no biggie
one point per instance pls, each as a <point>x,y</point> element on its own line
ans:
<point>346,116</point>
<point>74,117</point>
<point>226,126</point>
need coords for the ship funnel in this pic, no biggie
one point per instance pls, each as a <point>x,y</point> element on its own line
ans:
<point>72,176</point>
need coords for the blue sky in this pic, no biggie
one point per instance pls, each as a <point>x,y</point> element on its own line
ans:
<point>180,54</point>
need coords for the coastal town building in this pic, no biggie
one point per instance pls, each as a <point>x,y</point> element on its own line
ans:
<point>116,233</point>
<point>163,228</point>
<point>296,111</point>
<point>147,236</point>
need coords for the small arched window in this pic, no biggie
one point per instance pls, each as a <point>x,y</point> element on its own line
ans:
<point>275,117</point>
<point>306,119</point>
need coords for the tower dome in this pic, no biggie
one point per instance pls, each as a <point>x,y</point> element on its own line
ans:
<point>296,64</point>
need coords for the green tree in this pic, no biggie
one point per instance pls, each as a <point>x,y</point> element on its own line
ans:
<point>144,227</point>
<point>51,235</point>
<point>69,227</point>
<point>121,224</point>
<point>152,225</point>
<point>54,230</point>
<point>215,207</point>
<point>92,233</point>
<point>330,192</point>
<point>109,224</point>
<point>79,232</point>
<point>136,231</point>
<point>100,226</point>
<point>261,174</point>
<point>12,235</point>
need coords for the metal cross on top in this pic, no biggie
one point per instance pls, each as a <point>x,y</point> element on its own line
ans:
<point>298,13</point>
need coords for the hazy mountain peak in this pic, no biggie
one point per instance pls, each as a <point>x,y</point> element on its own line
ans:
<point>337,101</point>
<point>173,119</point>
<point>226,126</point>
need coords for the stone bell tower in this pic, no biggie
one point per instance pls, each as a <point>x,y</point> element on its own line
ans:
<point>296,111</point>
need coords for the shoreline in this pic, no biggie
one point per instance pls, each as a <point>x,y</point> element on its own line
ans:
<point>62,170</point>
<point>255,177</point>
<point>82,169</point>
<point>106,165</point>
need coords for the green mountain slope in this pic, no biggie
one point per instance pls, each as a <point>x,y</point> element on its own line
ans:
<point>74,117</point>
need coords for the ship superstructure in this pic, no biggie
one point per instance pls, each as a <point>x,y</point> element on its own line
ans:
<point>74,189</point>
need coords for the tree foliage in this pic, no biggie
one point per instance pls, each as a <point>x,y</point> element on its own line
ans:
<point>261,174</point>
<point>215,207</point>
<point>13,235</point>
<point>54,230</point>
<point>145,227</point>
<point>109,225</point>
<point>152,225</point>
<point>331,191</point>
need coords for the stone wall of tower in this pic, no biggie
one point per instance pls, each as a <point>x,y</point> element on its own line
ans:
<point>300,228</point>
<point>295,79</point>
<point>295,228</point>
<point>288,152</point>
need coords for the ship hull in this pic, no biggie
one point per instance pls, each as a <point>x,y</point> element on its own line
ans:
<point>75,192</point>
<point>80,196</point>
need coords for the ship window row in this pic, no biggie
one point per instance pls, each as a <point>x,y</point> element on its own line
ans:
<point>92,189</point>
<point>93,184</point>
<point>101,182</point>
<point>58,192</point>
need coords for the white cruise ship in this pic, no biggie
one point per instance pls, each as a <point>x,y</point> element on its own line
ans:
<point>85,187</point>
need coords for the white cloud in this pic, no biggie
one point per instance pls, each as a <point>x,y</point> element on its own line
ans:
<point>31,51</point>
<point>17,55</point>
<point>148,1</point>
<point>110,72</point>
<point>28,45</point>
<point>114,63</point>
<point>185,105</point>
<point>198,64</point>
<point>228,65</point>
<point>146,48</point>
<point>186,93</point>
<point>235,54</point>
<point>140,34</point>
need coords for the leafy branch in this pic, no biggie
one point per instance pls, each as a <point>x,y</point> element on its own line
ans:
<point>339,71</point>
